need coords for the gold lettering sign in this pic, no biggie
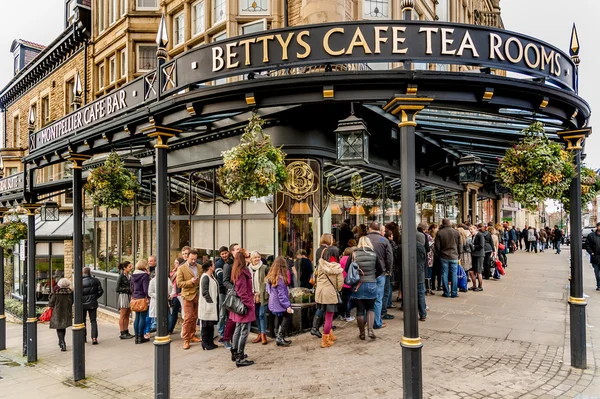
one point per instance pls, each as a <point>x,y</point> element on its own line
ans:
<point>356,186</point>
<point>301,180</point>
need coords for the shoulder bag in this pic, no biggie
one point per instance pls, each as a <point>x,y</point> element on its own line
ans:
<point>353,274</point>
<point>139,305</point>
<point>233,303</point>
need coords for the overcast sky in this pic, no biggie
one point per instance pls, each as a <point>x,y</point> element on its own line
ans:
<point>548,20</point>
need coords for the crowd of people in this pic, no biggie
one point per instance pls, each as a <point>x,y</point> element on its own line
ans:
<point>359,271</point>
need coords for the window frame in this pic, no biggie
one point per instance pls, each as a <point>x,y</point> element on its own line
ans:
<point>214,12</point>
<point>123,7</point>
<point>69,87</point>
<point>112,12</point>
<point>195,31</point>
<point>101,71</point>
<point>123,63</point>
<point>45,113</point>
<point>112,71</point>
<point>100,16</point>
<point>16,124</point>
<point>258,21</point>
<point>142,8</point>
<point>368,17</point>
<point>177,40</point>
<point>138,53</point>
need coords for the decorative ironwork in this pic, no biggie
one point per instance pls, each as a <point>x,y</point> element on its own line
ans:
<point>352,140</point>
<point>301,180</point>
<point>49,211</point>
<point>150,80</point>
<point>356,185</point>
<point>469,169</point>
<point>170,73</point>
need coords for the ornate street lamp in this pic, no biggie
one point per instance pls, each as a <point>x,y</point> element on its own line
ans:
<point>352,139</point>
<point>49,211</point>
<point>469,169</point>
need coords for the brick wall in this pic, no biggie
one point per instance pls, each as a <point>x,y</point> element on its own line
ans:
<point>68,259</point>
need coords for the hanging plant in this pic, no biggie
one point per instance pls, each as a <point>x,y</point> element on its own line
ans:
<point>590,187</point>
<point>111,185</point>
<point>535,168</point>
<point>253,168</point>
<point>12,231</point>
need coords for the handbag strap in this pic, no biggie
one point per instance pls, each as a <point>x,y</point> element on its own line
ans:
<point>334,286</point>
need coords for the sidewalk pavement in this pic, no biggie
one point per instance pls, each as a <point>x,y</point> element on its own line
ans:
<point>509,341</point>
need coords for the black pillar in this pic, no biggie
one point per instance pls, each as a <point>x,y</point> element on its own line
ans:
<point>285,13</point>
<point>2,315</point>
<point>78,317</point>
<point>407,107</point>
<point>32,319</point>
<point>577,304</point>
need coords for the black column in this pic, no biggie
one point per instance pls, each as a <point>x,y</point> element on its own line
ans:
<point>2,315</point>
<point>162,342</point>
<point>407,107</point>
<point>577,302</point>
<point>32,319</point>
<point>78,317</point>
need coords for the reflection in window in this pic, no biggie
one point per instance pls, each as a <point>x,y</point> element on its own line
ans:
<point>49,268</point>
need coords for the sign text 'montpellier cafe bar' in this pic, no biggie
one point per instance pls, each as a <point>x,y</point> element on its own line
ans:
<point>303,81</point>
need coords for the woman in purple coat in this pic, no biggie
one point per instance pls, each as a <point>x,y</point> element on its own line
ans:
<point>279,302</point>
<point>241,277</point>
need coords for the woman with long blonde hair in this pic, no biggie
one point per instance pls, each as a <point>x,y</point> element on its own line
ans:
<point>279,303</point>
<point>364,293</point>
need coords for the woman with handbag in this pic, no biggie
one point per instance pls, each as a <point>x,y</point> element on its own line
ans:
<point>242,280</point>
<point>259,270</point>
<point>329,282</point>
<point>139,299</point>
<point>279,302</point>
<point>208,308</point>
<point>365,292</point>
<point>326,243</point>
<point>124,299</point>
<point>61,302</point>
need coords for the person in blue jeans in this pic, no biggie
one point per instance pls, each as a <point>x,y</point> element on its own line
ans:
<point>379,302</point>
<point>448,246</point>
<point>385,257</point>
<point>422,250</point>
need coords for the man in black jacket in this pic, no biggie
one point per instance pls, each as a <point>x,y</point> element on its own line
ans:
<point>385,257</point>
<point>592,242</point>
<point>557,237</point>
<point>224,258</point>
<point>92,290</point>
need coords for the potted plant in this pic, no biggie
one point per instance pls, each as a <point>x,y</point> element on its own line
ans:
<point>111,185</point>
<point>253,168</point>
<point>11,232</point>
<point>536,168</point>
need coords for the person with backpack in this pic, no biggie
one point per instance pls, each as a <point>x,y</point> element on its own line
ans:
<point>364,293</point>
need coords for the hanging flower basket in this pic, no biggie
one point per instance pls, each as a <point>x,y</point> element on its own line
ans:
<point>253,168</point>
<point>590,187</point>
<point>535,168</point>
<point>111,185</point>
<point>12,232</point>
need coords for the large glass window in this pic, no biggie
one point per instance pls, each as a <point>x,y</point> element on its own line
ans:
<point>147,4</point>
<point>146,57</point>
<point>49,268</point>
<point>178,29</point>
<point>219,11</point>
<point>376,9</point>
<point>198,17</point>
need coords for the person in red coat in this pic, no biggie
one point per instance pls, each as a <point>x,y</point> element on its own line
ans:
<point>241,277</point>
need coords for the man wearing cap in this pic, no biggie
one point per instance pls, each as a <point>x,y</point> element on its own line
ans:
<point>592,242</point>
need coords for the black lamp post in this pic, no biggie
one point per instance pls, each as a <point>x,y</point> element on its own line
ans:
<point>352,139</point>
<point>470,169</point>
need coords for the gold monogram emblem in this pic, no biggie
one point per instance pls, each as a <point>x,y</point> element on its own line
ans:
<point>356,185</point>
<point>301,180</point>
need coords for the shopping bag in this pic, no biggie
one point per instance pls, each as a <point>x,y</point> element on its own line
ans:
<point>46,315</point>
<point>462,279</point>
<point>499,267</point>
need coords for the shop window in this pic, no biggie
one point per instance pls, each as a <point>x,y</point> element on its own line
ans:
<point>45,110</point>
<point>69,96</point>
<point>101,76</point>
<point>112,69</point>
<point>123,63</point>
<point>198,16</point>
<point>49,268</point>
<point>253,27</point>
<point>127,244</point>
<point>376,9</point>
<point>178,29</point>
<point>147,4</point>
<point>254,7</point>
<point>219,11</point>
<point>146,57</point>
<point>100,15</point>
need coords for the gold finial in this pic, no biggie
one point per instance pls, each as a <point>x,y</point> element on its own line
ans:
<point>574,50</point>
<point>162,37</point>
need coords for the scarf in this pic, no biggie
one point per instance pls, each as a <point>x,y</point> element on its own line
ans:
<point>255,281</point>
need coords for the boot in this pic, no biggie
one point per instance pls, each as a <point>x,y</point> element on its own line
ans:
<point>332,337</point>
<point>143,339</point>
<point>360,320</point>
<point>137,339</point>
<point>317,320</point>
<point>264,338</point>
<point>370,321</point>
<point>127,335</point>
<point>63,346</point>
<point>325,342</point>
<point>280,340</point>
<point>241,360</point>
<point>258,338</point>
<point>234,355</point>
